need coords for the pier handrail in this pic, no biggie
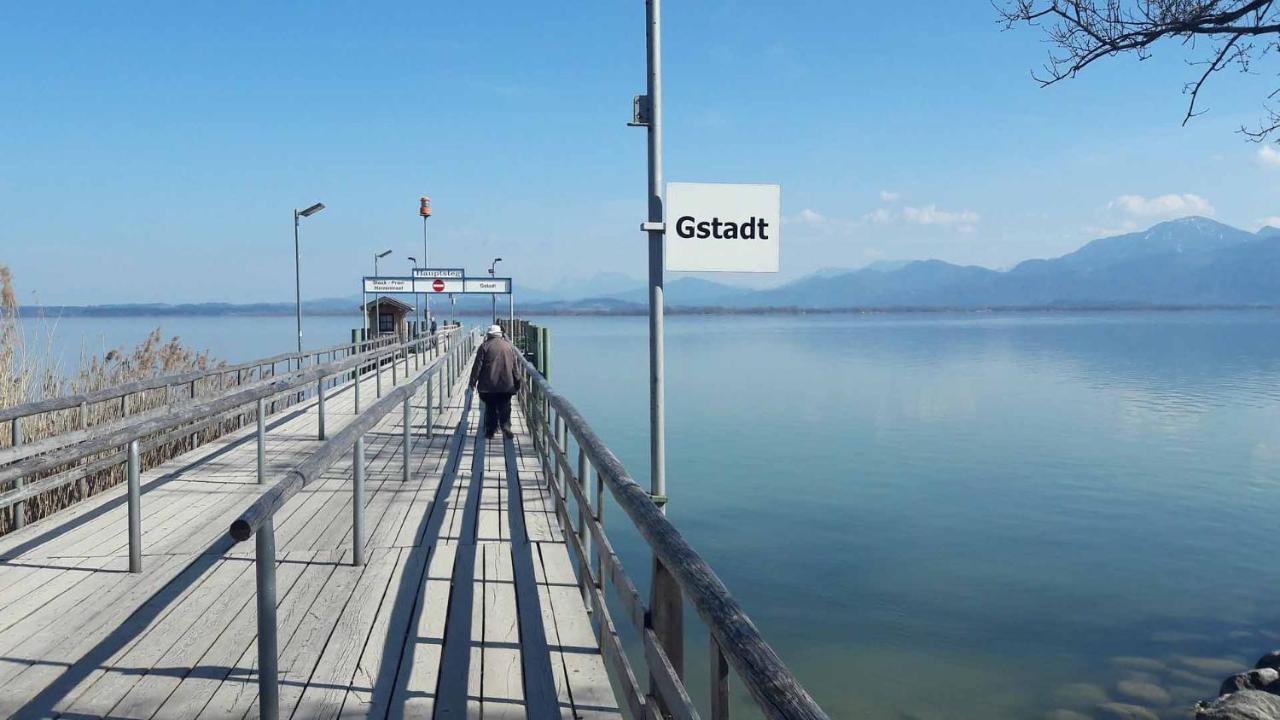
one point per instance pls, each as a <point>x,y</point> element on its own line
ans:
<point>178,416</point>
<point>733,636</point>
<point>300,475</point>
<point>67,402</point>
<point>256,521</point>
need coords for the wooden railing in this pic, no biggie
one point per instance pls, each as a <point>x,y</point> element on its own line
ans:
<point>680,574</point>
<point>256,521</point>
<point>122,442</point>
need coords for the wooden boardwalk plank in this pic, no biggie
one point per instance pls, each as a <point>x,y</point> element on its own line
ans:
<point>436,624</point>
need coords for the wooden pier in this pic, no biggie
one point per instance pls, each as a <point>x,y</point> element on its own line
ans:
<point>402,564</point>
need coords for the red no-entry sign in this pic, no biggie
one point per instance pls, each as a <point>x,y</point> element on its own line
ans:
<point>438,285</point>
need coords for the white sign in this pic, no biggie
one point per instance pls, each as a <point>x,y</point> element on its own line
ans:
<point>456,273</point>
<point>388,285</point>
<point>435,286</point>
<point>717,227</point>
<point>500,286</point>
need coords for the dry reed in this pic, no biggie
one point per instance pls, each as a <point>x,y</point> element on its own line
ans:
<point>30,373</point>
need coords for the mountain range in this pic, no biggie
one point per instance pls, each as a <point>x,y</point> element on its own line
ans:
<point>1194,261</point>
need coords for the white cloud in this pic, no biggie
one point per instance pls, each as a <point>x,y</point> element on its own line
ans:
<point>810,217</point>
<point>962,220</point>
<point>881,216</point>
<point>931,215</point>
<point>1162,206</point>
<point>886,196</point>
<point>1268,155</point>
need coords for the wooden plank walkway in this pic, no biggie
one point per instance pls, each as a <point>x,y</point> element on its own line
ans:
<point>467,605</point>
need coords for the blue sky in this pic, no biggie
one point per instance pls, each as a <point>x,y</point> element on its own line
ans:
<point>154,151</point>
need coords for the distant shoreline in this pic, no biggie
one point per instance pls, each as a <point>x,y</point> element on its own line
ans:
<point>69,311</point>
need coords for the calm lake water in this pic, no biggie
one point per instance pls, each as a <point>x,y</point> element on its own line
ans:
<point>944,516</point>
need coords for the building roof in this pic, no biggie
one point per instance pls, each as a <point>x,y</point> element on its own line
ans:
<point>388,303</point>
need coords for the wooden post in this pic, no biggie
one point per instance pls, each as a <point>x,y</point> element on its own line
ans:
<point>19,508</point>
<point>719,682</point>
<point>666,618</point>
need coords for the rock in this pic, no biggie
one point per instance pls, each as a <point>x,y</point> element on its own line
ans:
<point>1081,695</point>
<point>1270,660</point>
<point>1212,666</point>
<point>1066,715</point>
<point>1140,664</point>
<point>1125,711</point>
<point>1255,679</point>
<point>1243,705</point>
<point>1143,692</point>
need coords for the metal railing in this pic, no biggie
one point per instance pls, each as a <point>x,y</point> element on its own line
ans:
<point>679,574</point>
<point>257,520</point>
<point>124,442</point>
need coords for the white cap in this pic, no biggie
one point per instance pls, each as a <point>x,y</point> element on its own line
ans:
<point>495,331</point>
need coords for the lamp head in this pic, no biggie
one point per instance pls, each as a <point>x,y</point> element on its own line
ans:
<point>311,210</point>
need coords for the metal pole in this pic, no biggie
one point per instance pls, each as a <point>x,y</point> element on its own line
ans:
<point>357,388</point>
<point>511,314</point>
<point>657,419</point>
<point>430,414</point>
<point>297,277</point>
<point>135,510</point>
<point>357,503</point>
<point>426,263</point>
<point>320,405</point>
<point>407,439</point>
<point>268,655</point>
<point>666,603</point>
<point>262,442</point>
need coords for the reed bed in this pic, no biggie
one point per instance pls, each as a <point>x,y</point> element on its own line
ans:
<point>29,371</point>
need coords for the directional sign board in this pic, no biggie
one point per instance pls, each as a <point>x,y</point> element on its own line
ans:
<point>388,285</point>
<point>716,227</point>
<point>456,273</point>
<point>488,286</point>
<point>437,285</point>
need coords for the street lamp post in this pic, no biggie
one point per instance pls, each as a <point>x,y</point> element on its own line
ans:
<point>493,297</point>
<point>424,209</point>
<point>377,308</point>
<point>413,261</point>
<point>665,604</point>
<point>297,263</point>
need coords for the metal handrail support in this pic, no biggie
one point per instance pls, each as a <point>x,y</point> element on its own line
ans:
<point>257,520</point>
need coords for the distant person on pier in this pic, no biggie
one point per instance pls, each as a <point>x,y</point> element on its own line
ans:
<point>496,375</point>
<point>433,326</point>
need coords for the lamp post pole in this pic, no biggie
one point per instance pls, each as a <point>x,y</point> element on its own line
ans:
<point>424,209</point>
<point>665,603</point>
<point>494,298</point>
<point>417,307</point>
<point>297,275</point>
<point>377,308</point>
<point>297,263</point>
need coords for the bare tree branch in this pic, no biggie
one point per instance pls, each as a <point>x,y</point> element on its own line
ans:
<point>1086,31</point>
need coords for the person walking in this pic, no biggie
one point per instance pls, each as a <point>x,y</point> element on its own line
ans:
<point>496,375</point>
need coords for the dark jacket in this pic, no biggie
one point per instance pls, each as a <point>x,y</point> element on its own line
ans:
<point>497,367</point>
